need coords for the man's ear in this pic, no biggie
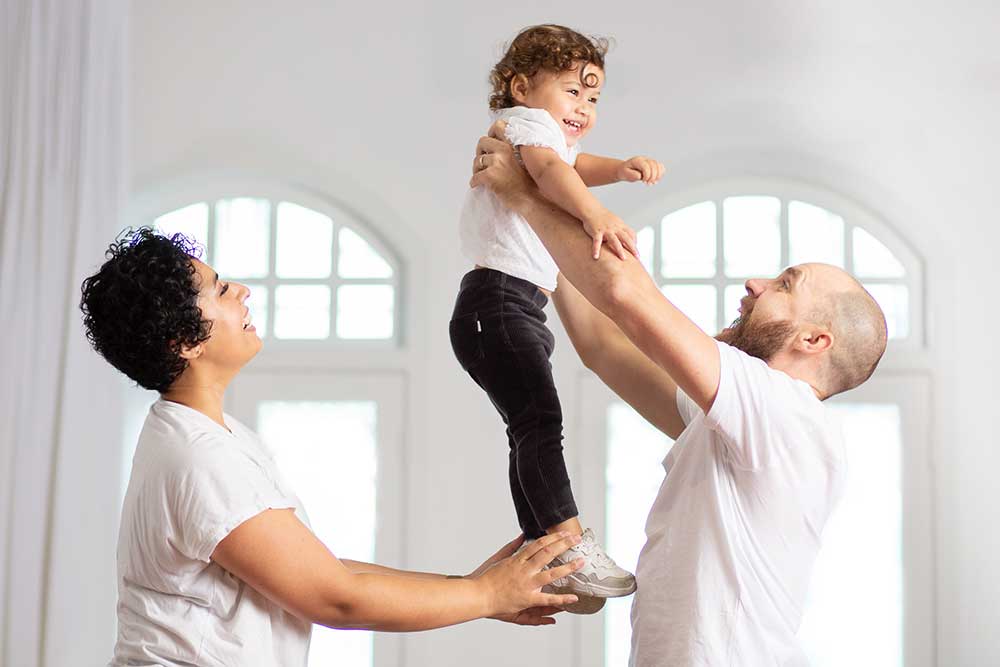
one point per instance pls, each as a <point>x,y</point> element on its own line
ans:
<point>814,341</point>
<point>519,87</point>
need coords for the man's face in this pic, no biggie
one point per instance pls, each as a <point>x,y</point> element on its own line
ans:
<point>770,312</point>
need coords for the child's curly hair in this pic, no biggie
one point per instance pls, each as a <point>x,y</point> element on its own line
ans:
<point>549,46</point>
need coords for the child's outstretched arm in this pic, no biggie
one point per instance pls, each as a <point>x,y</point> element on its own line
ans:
<point>596,170</point>
<point>562,185</point>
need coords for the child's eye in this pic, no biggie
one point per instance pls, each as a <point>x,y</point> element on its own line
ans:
<point>573,91</point>
<point>593,100</point>
<point>225,288</point>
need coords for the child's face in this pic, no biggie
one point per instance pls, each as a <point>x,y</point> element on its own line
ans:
<point>570,97</point>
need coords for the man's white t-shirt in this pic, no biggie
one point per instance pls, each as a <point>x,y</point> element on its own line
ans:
<point>192,483</point>
<point>496,237</point>
<point>735,529</point>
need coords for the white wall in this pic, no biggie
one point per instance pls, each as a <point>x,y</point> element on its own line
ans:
<point>891,106</point>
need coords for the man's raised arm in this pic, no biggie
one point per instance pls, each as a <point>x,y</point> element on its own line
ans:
<point>619,288</point>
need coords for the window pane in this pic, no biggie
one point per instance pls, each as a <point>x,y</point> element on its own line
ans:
<point>645,238</point>
<point>257,303</point>
<point>731,305</point>
<point>688,242</point>
<point>697,302</point>
<point>305,242</point>
<point>357,259</point>
<point>191,221</point>
<point>302,311</point>
<point>861,557</point>
<point>872,259</point>
<point>327,453</point>
<point>752,236</point>
<point>895,303</point>
<point>242,237</point>
<point>635,453</point>
<point>814,235</point>
<point>365,311</point>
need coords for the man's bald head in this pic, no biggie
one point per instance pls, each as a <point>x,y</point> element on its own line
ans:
<point>857,324</point>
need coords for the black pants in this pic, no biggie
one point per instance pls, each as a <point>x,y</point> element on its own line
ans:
<point>499,336</point>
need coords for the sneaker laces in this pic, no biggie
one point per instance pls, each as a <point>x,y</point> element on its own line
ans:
<point>595,554</point>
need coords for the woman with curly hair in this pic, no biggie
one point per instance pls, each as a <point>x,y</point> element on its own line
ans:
<point>216,561</point>
<point>546,88</point>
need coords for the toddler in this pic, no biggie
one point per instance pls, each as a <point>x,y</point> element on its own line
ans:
<point>546,87</point>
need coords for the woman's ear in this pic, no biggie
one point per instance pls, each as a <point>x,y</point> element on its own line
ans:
<point>190,352</point>
<point>519,87</point>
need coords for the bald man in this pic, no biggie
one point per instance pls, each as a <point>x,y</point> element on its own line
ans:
<point>758,464</point>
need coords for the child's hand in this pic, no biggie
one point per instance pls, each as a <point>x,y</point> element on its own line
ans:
<point>640,168</point>
<point>606,227</point>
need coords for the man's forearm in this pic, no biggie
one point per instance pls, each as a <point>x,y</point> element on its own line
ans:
<point>622,290</point>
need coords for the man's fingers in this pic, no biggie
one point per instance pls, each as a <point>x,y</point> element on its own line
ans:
<point>491,145</point>
<point>498,130</point>
<point>598,239</point>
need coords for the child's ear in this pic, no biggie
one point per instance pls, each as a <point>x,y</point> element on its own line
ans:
<point>519,87</point>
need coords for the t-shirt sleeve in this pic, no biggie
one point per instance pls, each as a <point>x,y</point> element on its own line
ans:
<point>215,491</point>
<point>533,127</point>
<point>744,409</point>
<point>687,408</point>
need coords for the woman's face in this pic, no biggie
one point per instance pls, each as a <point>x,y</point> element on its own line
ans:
<point>233,340</point>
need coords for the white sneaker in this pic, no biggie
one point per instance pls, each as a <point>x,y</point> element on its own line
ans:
<point>600,577</point>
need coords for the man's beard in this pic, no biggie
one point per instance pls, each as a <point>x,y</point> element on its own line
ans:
<point>758,339</point>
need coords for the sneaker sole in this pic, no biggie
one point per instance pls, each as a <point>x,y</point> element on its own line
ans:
<point>596,590</point>
<point>584,605</point>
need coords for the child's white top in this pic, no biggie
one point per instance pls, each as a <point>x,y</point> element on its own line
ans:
<point>193,482</point>
<point>495,236</point>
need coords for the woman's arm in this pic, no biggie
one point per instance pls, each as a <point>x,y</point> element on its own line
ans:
<point>562,185</point>
<point>282,559</point>
<point>604,349</point>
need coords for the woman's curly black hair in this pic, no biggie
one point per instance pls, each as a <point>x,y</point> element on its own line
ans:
<point>141,307</point>
<point>551,47</point>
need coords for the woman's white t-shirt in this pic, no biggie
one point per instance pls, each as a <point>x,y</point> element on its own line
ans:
<point>192,483</point>
<point>496,237</point>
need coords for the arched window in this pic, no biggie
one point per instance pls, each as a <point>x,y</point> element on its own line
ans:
<point>700,248</point>
<point>315,272</point>
<point>703,247</point>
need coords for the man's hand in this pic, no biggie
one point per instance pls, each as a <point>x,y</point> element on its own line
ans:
<point>496,167</point>
<point>640,168</point>
<point>606,227</point>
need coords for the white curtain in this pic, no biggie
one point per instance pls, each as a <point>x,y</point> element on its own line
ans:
<point>62,135</point>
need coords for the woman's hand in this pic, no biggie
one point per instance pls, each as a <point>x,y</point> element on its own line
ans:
<point>513,579</point>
